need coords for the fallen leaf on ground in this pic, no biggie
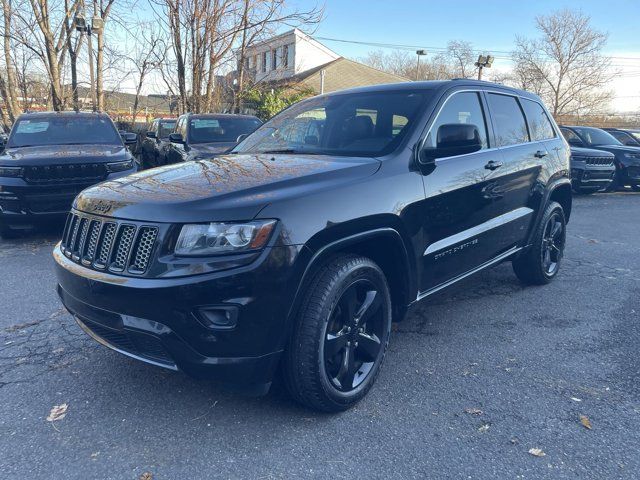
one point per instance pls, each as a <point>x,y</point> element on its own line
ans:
<point>584,420</point>
<point>58,412</point>
<point>536,452</point>
<point>473,411</point>
<point>576,399</point>
<point>483,428</point>
<point>146,476</point>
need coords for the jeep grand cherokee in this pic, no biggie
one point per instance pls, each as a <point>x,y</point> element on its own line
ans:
<point>49,158</point>
<point>297,250</point>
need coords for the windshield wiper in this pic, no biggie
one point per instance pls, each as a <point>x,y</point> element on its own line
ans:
<point>281,150</point>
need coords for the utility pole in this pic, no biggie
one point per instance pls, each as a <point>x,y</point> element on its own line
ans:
<point>419,53</point>
<point>484,61</point>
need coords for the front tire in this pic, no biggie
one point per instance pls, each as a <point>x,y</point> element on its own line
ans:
<point>541,263</point>
<point>341,335</point>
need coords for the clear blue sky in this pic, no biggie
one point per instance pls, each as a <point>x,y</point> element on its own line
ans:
<point>489,25</point>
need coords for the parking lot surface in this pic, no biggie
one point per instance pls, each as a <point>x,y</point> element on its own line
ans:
<point>474,379</point>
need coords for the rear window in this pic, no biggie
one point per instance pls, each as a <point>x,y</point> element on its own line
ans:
<point>63,130</point>
<point>508,121</point>
<point>539,124</point>
<point>223,129</point>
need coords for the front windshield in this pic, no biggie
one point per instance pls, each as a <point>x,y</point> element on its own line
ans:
<point>220,129</point>
<point>594,137</point>
<point>64,130</point>
<point>352,124</point>
<point>166,127</point>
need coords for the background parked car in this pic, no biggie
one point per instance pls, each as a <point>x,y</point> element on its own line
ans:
<point>49,158</point>
<point>203,135</point>
<point>153,146</point>
<point>630,138</point>
<point>591,170</point>
<point>627,159</point>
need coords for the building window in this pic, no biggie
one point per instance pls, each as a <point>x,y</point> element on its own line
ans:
<point>265,58</point>
<point>285,56</point>
<point>274,59</point>
<point>290,54</point>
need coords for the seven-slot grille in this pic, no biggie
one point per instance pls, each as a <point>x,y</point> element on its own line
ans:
<point>71,173</point>
<point>116,246</point>
<point>599,160</point>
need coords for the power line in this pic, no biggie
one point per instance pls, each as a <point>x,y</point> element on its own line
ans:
<point>506,55</point>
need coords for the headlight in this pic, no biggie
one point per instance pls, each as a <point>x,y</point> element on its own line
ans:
<point>119,166</point>
<point>216,238</point>
<point>10,171</point>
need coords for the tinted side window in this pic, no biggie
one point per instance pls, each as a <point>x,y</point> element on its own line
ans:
<point>508,120</point>
<point>539,124</point>
<point>570,136</point>
<point>462,107</point>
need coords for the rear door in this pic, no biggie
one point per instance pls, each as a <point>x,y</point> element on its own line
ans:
<point>516,178</point>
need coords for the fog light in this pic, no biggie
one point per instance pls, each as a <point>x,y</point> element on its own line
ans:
<point>218,317</point>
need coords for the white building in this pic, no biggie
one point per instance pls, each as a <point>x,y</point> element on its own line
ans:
<point>286,55</point>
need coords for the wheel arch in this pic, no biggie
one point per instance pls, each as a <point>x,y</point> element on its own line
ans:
<point>385,246</point>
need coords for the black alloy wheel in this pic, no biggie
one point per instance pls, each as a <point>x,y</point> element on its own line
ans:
<point>352,342</point>
<point>540,262</point>
<point>553,243</point>
<point>340,336</point>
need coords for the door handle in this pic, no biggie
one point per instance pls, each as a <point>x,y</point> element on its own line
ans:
<point>540,154</point>
<point>492,165</point>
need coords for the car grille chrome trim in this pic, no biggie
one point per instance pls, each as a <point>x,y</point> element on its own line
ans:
<point>68,173</point>
<point>599,161</point>
<point>116,246</point>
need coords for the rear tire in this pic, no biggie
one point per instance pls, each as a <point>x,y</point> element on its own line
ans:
<point>541,263</point>
<point>341,335</point>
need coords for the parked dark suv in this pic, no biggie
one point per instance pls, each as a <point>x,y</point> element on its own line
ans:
<point>199,136</point>
<point>297,253</point>
<point>591,170</point>
<point>153,146</point>
<point>627,159</point>
<point>49,158</point>
<point>630,138</point>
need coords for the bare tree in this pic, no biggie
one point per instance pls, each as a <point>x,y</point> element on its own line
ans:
<point>461,57</point>
<point>10,84</point>
<point>150,52</point>
<point>565,64</point>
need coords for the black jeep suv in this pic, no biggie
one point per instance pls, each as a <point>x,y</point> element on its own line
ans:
<point>49,158</point>
<point>298,249</point>
<point>153,146</point>
<point>199,136</point>
<point>591,170</point>
<point>627,159</point>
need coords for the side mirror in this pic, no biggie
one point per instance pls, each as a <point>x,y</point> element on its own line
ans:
<point>241,137</point>
<point>151,134</point>
<point>129,138</point>
<point>453,139</point>
<point>176,138</point>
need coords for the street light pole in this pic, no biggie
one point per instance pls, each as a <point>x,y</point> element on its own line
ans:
<point>484,61</point>
<point>94,101</point>
<point>419,53</point>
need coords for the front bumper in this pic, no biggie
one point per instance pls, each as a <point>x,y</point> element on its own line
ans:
<point>586,177</point>
<point>22,203</point>
<point>159,321</point>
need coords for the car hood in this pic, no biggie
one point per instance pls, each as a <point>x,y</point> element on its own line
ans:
<point>206,149</point>
<point>229,187</point>
<point>589,152</point>
<point>617,149</point>
<point>63,154</point>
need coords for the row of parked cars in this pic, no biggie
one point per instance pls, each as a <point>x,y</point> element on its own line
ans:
<point>296,251</point>
<point>49,157</point>
<point>603,159</point>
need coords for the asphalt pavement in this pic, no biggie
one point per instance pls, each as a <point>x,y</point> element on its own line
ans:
<point>474,380</point>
